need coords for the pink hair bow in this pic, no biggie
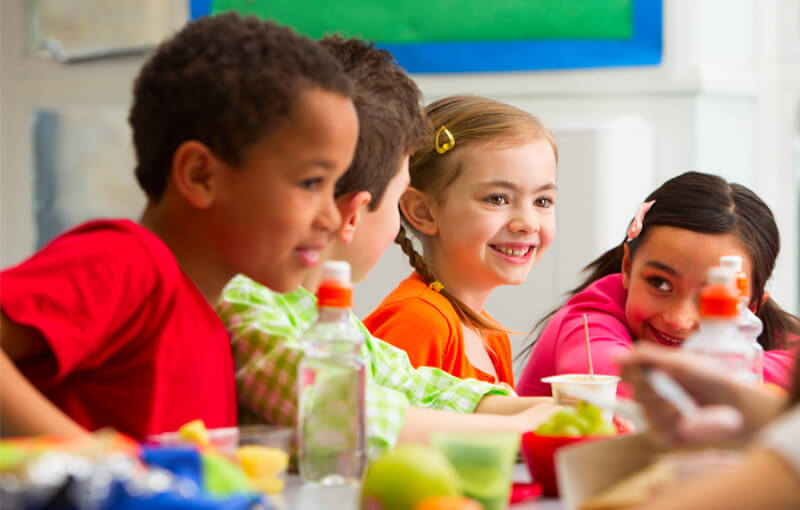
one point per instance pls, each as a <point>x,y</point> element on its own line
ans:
<point>638,220</point>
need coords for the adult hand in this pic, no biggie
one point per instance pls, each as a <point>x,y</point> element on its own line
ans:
<point>727,409</point>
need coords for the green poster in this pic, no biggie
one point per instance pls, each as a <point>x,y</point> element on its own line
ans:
<point>446,20</point>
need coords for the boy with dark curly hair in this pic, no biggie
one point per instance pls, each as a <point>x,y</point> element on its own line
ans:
<point>241,130</point>
<point>402,403</point>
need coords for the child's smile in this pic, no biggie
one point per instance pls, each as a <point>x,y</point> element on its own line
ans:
<point>515,253</point>
<point>664,338</point>
<point>310,255</point>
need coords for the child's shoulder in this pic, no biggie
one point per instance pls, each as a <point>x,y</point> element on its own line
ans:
<point>415,299</point>
<point>116,238</point>
<point>608,291</point>
<point>107,256</point>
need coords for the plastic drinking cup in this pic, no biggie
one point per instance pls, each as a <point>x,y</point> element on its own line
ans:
<point>484,463</point>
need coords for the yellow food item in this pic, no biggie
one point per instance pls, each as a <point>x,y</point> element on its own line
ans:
<point>263,465</point>
<point>268,484</point>
<point>194,431</point>
<point>261,461</point>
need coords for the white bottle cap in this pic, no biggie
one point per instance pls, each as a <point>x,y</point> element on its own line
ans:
<point>720,275</point>
<point>733,262</point>
<point>338,270</point>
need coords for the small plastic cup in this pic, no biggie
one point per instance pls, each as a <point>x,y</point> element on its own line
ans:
<point>224,439</point>
<point>604,386</point>
<point>267,435</point>
<point>484,463</point>
<point>227,439</point>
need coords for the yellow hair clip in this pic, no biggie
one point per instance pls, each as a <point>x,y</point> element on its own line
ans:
<point>436,285</point>
<point>441,148</point>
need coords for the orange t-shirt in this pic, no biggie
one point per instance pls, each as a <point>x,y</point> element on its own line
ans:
<point>422,322</point>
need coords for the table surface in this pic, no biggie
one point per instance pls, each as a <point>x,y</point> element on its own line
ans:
<point>300,496</point>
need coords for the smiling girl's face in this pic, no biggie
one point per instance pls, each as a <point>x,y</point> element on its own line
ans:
<point>497,218</point>
<point>665,277</point>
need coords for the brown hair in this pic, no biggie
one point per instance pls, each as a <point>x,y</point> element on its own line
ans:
<point>225,81</point>
<point>472,121</point>
<point>391,120</point>
<point>708,204</point>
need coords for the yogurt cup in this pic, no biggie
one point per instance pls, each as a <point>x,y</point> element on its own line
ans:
<point>604,386</point>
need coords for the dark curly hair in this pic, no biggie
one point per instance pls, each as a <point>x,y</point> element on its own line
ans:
<point>225,81</point>
<point>390,116</point>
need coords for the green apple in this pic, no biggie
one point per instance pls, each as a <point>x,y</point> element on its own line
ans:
<point>399,480</point>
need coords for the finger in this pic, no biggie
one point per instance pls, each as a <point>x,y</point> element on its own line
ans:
<point>712,424</point>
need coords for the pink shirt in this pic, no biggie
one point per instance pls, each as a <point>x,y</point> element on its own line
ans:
<point>561,348</point>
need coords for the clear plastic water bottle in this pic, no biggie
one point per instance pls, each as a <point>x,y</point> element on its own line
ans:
<point>331,423</point>
<point>749,323</point>
<point>719,337</point>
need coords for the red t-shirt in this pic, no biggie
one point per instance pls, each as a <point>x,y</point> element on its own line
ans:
<point>134,345</point>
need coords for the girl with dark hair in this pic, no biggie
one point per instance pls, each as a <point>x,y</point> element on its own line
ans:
<point>646,288</point>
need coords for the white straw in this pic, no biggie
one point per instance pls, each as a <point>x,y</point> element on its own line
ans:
<point>588,348</point>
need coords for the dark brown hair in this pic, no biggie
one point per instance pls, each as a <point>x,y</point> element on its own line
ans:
<point>708,204</point>
<point>472,121</point>
<point>225,81</point>
<point>391,123</point>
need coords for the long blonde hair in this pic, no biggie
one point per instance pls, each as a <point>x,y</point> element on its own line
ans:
<point>472,120</point>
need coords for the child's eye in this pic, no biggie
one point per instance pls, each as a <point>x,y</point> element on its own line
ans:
<point>544,202</point>
<point>497,199</point>
<point>659,284</point>
<point>311,184</point>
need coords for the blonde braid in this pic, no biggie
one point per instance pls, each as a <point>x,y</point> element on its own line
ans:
<point>468,316</point>
<point>414,258</point>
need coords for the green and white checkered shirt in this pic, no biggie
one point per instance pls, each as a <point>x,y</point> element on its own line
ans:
<point>265,329</point>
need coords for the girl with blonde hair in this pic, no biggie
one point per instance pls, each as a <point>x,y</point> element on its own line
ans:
<point>481,203</point>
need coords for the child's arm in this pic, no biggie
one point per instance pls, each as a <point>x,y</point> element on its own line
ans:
<point>500,404</point>
<point>420,424</point>
<point>23,409</point>
<point>429,387</point>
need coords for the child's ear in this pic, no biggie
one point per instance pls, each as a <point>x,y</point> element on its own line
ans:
<point>416,208</point>
<point>626,265</point>
<point>194,172</point>
<point>350,208</point>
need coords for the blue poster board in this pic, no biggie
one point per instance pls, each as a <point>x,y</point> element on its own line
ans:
<point>642,48</point>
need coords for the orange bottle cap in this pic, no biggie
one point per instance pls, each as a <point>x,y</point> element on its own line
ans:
<point>335,294</point>
<point>718,301</point>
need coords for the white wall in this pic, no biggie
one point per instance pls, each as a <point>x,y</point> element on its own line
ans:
<point>723,100</point>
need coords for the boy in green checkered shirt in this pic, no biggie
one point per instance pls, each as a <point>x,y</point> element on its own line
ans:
<point>402,402</point>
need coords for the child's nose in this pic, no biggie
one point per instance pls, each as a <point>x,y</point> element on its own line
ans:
<point>329,218</point>
<point>524,220</point>
<point>683,317</point>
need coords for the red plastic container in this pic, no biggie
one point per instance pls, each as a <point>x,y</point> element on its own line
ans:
<point>539,451</point>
